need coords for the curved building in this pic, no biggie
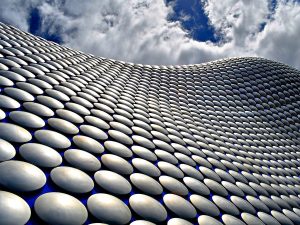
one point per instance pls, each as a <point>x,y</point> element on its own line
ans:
<point>89,140</point>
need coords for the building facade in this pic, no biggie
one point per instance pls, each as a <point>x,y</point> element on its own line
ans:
<point>85,139</point>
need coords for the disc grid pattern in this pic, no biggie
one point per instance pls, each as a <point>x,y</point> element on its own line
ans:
<point>89,140</point>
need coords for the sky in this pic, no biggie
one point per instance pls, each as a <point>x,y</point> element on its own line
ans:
<point>164,31</point>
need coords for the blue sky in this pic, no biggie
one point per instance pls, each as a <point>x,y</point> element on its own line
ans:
<point>193,19</point>
<point>189,13</point>
<point>165,31</point>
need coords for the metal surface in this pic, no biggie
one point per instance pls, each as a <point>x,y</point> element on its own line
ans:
<point>89,140</point>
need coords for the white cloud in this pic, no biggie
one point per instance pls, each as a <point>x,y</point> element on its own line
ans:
<point>241,21</point>
<point>139,30</point>
<point>280,38</point>
<point>17,12</point>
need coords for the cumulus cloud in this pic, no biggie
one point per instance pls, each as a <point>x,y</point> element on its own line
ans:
<point>255,28</point>
<point>17,12</point>
<point>139,30</point>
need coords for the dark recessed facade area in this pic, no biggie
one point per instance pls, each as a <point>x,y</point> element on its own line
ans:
<point>89,140</point>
